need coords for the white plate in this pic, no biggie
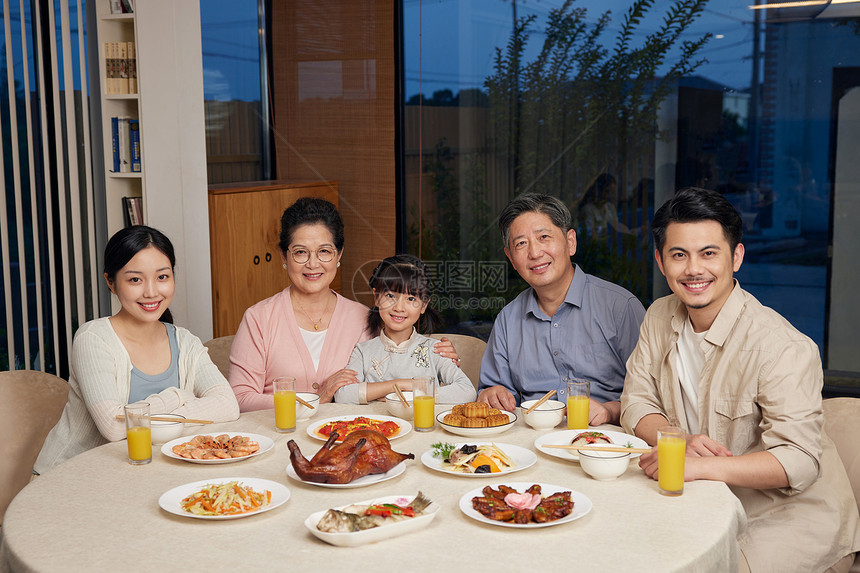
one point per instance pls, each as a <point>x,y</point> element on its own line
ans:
<point>369,479</point>
<point>581,505</point>
<point>477,432</point>
<point>564,437</point>
<point>521,457</point>
<point>266,444</point>
<point>405,427</point>
<point>356,538</point>
<point>171,501</point>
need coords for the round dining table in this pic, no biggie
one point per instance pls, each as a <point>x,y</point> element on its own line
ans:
<point>97,512</point>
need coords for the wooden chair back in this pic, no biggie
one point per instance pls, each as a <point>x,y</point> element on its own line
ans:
<point>471,351</point>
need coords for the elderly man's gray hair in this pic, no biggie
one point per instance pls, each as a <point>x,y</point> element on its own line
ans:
<point>548,205</point>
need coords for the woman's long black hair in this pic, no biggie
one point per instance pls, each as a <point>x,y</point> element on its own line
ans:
<point>403,274</point>
<point>126,243</point>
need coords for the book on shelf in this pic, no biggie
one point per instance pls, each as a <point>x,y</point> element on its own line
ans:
<point>132,68</point>
<point>116,6</point>
<point>127,6</point>
<point>109,70</point>
<point>120,68</point>
<point>132,212</point>
<point>124,145</point>
<point>122,65</point>
<point>114,136</point>
<point>134,140</point>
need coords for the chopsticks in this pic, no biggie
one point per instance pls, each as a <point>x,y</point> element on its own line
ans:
<point>401,396</point>
<point>166,419</point>
<point>621,449</point>
<point>545,397</point>
<point>304,403</point>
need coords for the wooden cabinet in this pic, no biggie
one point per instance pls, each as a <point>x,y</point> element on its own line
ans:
<point>244,229</point>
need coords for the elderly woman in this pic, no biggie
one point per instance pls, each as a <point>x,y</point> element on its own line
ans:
<point>306,331</point>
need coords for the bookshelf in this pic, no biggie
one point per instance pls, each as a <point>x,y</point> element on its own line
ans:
<point>115,30</point>
<point>168,107</point>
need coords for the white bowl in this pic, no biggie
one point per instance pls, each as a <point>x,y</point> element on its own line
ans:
<point>603,466</point>
<point>162,432</point>
<point>302,411</point>
<point>396,407</point>
<point>546,416</point>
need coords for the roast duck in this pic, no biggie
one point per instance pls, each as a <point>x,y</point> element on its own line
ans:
<point>361,453</point>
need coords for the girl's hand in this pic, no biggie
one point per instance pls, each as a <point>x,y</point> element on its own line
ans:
<point>446,348</point>
<point>335,382</point>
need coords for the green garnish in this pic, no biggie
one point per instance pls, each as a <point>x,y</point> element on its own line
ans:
<point>443,450</point>
<point>628,445</point>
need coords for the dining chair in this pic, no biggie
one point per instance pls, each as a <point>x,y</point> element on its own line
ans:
<point>471,350</point>
<point>842,424</point>
<point>219,352</point>
<point>30,404</point>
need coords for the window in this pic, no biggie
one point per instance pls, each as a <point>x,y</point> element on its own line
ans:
<point>612,111</point>
<point>235,88</point>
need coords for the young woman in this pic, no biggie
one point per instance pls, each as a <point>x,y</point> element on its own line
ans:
<point>137,355</point>
<point>401,291</point>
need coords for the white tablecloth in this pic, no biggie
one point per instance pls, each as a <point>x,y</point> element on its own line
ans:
<point>96,512</point>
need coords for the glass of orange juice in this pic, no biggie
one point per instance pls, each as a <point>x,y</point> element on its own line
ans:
<point>137,430</point>
<point>671,449</point>
<point>424,403</point>
<point>578,394</point>
<point>285,404</point>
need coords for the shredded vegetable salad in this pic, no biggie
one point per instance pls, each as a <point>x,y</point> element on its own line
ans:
<point>229,498</point>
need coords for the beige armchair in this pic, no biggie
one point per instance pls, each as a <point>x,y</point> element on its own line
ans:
<point>219,352</point>
<point>30,404</point>
<point>471,350</point>
<point>842,424</point>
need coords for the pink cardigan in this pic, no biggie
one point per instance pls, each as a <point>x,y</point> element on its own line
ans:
<point>269,344</point>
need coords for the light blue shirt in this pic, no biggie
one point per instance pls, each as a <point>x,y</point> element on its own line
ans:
<point>142,385</point>
<point>591,336</point>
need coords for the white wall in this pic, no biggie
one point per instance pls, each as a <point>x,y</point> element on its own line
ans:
<point>170,75</point>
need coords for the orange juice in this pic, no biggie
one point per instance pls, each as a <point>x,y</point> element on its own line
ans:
<point>285,410</point>
<point>139,443</point>
<point>670,464</point>
<point>577,412</point>
<point>425,414</point>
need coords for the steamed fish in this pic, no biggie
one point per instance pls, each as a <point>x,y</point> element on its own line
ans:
<point>361,517</point>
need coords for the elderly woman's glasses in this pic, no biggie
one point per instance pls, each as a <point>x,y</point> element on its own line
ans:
<point>323,254</point>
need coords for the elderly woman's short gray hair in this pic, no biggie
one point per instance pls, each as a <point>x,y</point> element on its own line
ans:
<point>548,205</point>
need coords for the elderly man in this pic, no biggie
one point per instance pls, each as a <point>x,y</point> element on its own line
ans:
<point>568,323</point>
<point>746,386</point>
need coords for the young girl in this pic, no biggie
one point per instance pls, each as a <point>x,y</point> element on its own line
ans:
<point>398,353</point>
<point>137,355</point>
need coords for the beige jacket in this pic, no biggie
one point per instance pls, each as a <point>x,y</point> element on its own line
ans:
<point>760,389</point>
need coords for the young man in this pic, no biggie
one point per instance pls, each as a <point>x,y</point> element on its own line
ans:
<point>746,386</point>
<point>567,323</point>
